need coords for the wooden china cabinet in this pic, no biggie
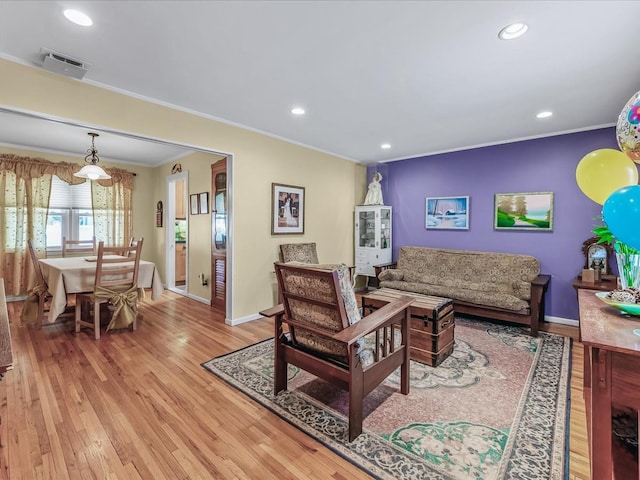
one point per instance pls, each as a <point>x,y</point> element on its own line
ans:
<point>219,235</point>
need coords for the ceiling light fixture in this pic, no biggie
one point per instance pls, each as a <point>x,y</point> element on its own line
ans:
<point>385,146</point>
<point>512,31</point>
<point>92,171</point>
<point>297,111</point>
<point>545,114</point>
<point>78,17</point>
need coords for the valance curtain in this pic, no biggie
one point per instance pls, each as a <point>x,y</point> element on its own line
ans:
<point>25,185</point>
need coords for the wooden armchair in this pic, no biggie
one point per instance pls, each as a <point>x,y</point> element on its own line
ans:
<point>305,253</point>
<point>328,338</point>
<point>299,252</point>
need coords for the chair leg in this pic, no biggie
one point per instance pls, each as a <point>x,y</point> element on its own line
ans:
<point>96,320</point>
<point>355,406</point>
<point>78,311</point>
<point>41,302</point>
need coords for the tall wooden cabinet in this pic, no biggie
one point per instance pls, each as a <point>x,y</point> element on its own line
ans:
<point>373,237</point>
<point>219,235</point>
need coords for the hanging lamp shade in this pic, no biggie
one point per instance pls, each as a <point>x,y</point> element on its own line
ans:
<point>92,171</point>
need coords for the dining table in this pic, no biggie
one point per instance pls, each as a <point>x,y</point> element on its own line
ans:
<point>69,275</point>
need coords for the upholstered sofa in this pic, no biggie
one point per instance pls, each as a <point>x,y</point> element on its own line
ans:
<point>499,286</point>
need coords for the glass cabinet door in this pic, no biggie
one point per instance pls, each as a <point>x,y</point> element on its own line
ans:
<point>220,212</point>
<point>385,228</point>
<point>367,229</point>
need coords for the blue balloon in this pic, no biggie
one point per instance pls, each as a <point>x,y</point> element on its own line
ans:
<point>621,213</point>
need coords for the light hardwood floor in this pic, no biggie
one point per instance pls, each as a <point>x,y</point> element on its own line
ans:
<point>139,405</point>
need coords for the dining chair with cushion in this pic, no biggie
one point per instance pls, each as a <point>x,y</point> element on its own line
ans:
<point>326,336</point>
<point>116,284</point>
<point>74,248</point>
<point>36,304</point>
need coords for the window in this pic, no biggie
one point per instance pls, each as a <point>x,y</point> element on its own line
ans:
<point>70,213</point>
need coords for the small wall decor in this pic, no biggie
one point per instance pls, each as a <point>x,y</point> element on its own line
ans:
<point>287,209</point>
<point>194,204</point>
<point>177,168</point>
<point>447,213</point>
<point>204,202</point>
<point>159,214</point>
<point>524,211</point>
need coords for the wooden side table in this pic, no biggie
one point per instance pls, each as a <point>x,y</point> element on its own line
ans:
<point>612,377</point>
<point>608,283</point>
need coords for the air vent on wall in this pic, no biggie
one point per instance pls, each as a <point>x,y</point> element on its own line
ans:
<point>63,64</point>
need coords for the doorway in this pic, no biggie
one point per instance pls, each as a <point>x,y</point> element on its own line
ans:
<point>177,236</point>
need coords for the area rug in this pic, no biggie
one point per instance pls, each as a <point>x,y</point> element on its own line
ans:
<point>497,408</point>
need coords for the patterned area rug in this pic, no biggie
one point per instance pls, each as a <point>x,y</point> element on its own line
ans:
<point>497,408</point>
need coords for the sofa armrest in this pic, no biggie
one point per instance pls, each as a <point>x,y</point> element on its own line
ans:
<point>541,281</point>
<point>384,266</point>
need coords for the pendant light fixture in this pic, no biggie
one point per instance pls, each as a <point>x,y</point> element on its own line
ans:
<point>92,171</point>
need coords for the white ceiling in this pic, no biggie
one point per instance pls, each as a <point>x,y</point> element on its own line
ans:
<point>426,77</point>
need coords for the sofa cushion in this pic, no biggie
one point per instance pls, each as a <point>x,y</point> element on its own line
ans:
<point>391,274</point>
<point>510,274</point>
<point>478,297</point>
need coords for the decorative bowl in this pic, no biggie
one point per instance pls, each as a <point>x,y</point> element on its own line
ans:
<point>630,308</point>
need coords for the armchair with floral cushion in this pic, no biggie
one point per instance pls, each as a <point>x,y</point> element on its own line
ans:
<point>319,328</point>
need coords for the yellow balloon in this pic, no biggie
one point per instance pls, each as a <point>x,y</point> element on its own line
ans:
<point>602,172</point>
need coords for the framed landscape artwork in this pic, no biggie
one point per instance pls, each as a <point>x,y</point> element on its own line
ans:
<point>524,211</point>
<point>287,209</point>
<point>447,213</point>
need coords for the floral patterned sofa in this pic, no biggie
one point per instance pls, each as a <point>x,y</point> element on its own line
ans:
<point>499,286</point>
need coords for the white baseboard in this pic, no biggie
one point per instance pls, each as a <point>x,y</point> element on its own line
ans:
<point>238,321</point>
<point>562,321</point>
<point>199,299</point>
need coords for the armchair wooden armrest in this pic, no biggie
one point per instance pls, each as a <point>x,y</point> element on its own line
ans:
<point>384,266</point>
<point>273,311</point>
<point>378,319</point>
<point>541,280</point>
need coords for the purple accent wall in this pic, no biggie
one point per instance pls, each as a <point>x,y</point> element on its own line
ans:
<point>542,165</point>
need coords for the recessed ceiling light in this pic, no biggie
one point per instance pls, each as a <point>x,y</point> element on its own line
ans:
<point>513,31</point>
<point>297,111</point>
<point>78,17</point>
<point>545,114</point>
<point>385,145</point>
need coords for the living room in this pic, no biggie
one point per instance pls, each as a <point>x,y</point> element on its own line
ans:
<point>334,185</point>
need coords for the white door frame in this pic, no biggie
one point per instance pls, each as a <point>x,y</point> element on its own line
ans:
<point>170,232</point>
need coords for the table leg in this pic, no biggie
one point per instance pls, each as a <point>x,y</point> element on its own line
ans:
<point>601,447</point>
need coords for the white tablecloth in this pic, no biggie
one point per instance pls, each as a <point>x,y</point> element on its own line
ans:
<point>76,275</point>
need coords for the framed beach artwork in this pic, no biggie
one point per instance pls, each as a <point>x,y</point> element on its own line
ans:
<point>524,211</point>
<point>447,213</point>
<point>287,209</point>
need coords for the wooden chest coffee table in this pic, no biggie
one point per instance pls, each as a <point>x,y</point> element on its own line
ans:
<point>432,323</point>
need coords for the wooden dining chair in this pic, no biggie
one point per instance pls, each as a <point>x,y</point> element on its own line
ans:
<point>38,294</point>
<point>74,248</point>
<point>116,284</point>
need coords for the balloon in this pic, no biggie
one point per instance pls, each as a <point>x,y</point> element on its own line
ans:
<point>603,171</point>
<point>628,128</point>
<point>621,213</point>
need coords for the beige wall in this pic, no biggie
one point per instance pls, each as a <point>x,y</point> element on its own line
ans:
<point>333,185</point>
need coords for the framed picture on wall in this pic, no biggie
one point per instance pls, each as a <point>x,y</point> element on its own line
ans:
<point>204,202</point>
<point>194,204</point>
<point>524,211</point>
<point>447,213</point>
<point>287,209</point>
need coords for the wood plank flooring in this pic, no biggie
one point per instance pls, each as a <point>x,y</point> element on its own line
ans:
<point>140,406</point>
